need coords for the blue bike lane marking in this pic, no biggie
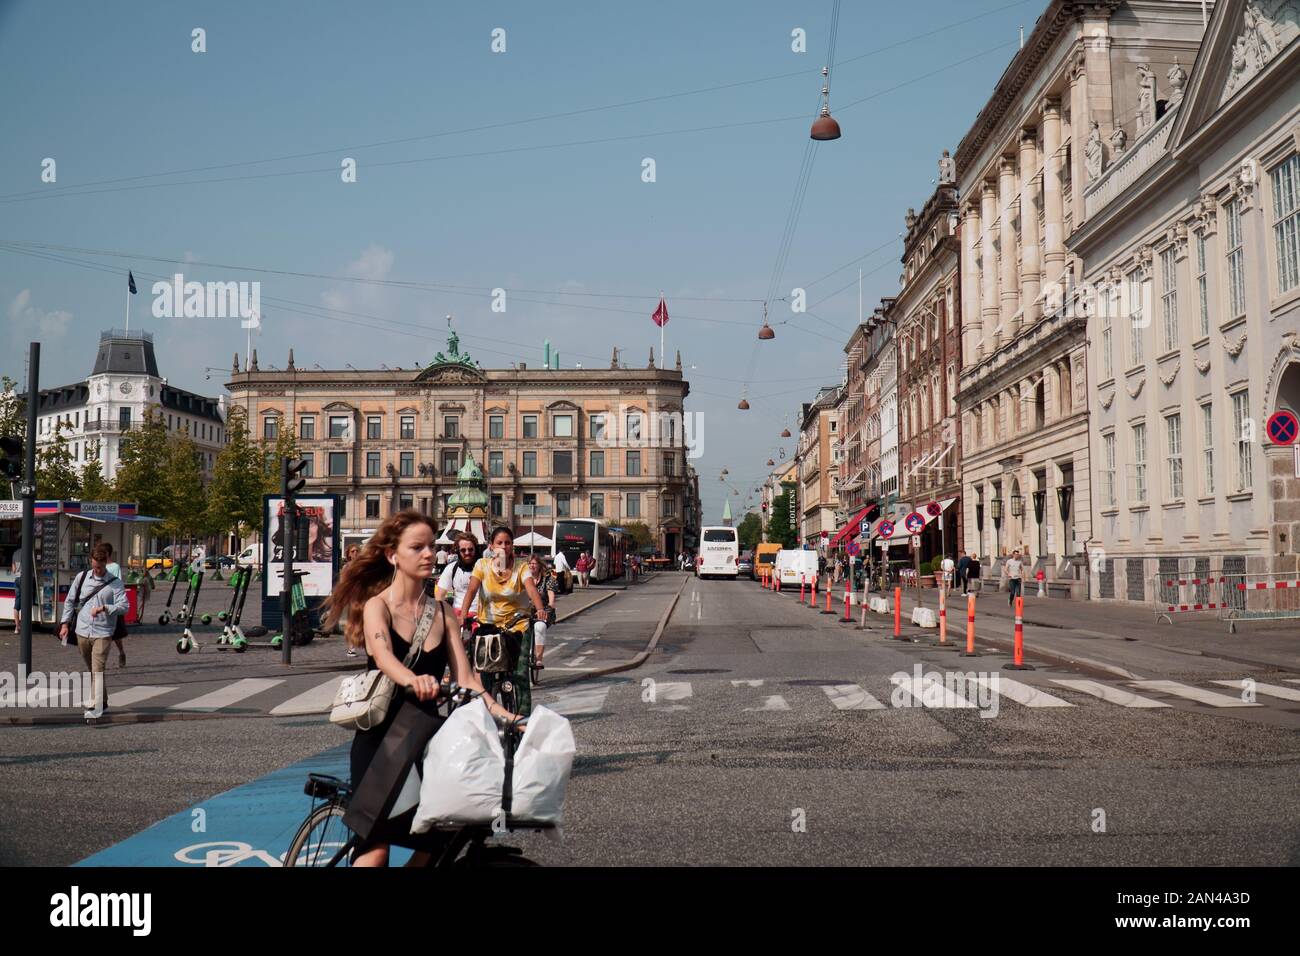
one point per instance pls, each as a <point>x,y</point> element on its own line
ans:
<point>250,825</point>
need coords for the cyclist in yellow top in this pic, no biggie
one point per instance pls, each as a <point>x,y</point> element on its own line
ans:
<point>508,588</point>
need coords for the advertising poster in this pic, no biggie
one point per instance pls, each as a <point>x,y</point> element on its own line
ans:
<point>315,550</point>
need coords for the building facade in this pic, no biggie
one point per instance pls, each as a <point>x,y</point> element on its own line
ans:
<point>818,467</point>
<point>928,356</point>
<point>1055,115</point>
<point>1191,253</point>
<point>854,480</point>
<point>601,443</point>
<point>122,388</point>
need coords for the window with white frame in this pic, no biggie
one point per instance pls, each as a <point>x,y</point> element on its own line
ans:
<point>1207,448</point>
<point>1236,260</point>
<point>1244,429</point>
<point>1202,285</point>
<point>1174,455</point>
<point>1286,222</point>
<point>1169,297</point>
<point>1139,464</point>
<point>1107,312</point>
<point>1135,319</point>
<point>1108,473</point>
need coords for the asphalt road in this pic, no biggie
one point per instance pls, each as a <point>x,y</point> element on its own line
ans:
<point>761,732</point>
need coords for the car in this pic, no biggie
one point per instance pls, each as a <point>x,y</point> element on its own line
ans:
<point>226,561</point>
<point>745,564</point>
<point>153,561</point>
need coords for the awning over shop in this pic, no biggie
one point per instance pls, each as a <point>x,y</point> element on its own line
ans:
<point>852,528</point>
<point>116,519</point>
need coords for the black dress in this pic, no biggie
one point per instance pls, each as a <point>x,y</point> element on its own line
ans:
<point>366,742</point>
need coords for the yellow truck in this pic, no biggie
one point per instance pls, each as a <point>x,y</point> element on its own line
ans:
<point>764,560</point>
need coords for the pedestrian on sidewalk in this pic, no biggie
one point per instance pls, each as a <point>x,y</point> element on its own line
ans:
<point>963,569</point>
<point>584,568</point>
<point>545,581</point>
<point>97,600</point>
<point>1015,576</point>
<point>119,628</point>
<point>973,572</point>
<point>949,567</point>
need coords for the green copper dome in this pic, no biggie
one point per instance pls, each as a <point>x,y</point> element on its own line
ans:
<point>470,494</point>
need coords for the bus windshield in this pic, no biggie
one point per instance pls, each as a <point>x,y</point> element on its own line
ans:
<point>574,538</point>
<point>720,534</point>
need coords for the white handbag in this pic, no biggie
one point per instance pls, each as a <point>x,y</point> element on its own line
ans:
<point>363,700</point>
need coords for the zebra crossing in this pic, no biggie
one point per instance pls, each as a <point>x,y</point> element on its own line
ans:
<point>307,695</point>
<point>906,690</point>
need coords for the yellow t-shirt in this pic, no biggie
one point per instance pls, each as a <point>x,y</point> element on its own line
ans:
<point>505,598</point>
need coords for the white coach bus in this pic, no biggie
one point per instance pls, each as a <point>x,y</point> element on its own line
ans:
<point>719,552</point>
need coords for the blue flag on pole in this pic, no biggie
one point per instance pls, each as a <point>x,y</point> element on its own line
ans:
<point>130,281</point>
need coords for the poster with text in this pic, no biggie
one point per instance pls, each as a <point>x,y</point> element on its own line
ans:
<point>314,550</point>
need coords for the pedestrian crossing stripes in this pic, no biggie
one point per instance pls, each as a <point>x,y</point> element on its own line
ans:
<point>307,695</point>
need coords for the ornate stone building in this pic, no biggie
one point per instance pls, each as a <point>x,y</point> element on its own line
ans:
<point>1047,132</point>
<point>818,467</point>
<point>602,443</point>
<point>1191,252</point>
<point>928,355</point>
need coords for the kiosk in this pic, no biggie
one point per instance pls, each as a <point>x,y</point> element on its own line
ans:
<point>65,533</point>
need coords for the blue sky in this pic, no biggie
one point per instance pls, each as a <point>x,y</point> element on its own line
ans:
<point>114,92</point>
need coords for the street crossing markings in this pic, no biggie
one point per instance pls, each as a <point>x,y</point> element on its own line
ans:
<point>925,693</point>
<point>851,697</point>
<point>774,702</point>
<point>1025,694</point>
<point>1272,690</point>
<point>1191,693</point>
<point>673,690</point>
<point>746,683</point>
<point>232,693</point>
<point>1109,693</point>
<point>589,700</point>
<point>318,700</point>
<point>134,695</point>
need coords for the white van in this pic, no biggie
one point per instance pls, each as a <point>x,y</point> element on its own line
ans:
<point>250,556</point>
<point>795,565</point>
<point>719,552</point>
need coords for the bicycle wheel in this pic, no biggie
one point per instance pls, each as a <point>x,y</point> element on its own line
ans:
<point>320,838</point>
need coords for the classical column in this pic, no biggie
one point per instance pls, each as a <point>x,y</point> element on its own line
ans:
<point>1051,388</point>
<point>1053,211</point>
<point>1096,51</point>
<point>989,282</point>
<point>1078,136</point>
<point>972,320</point>
<point>1007,242</point>
<point>1030,268</point>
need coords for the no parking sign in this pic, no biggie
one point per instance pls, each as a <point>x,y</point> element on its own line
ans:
<point>886,529</point>
<point>914,522</point>
<point>853,549</point>
<point>1283,427</point>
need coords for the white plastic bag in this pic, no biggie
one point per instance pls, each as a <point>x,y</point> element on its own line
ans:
<point>464,771</point>
<point>541,772</point>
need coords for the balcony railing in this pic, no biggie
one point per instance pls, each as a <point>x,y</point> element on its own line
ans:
<point>1130,167</point>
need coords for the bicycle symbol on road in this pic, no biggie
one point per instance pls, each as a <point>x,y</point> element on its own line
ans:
<point>225,853</point>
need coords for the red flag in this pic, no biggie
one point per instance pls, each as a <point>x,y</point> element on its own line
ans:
<point>660,315</point>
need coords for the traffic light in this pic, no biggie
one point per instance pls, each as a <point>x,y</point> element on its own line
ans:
<point>290,472</point>
<point>11,458</point>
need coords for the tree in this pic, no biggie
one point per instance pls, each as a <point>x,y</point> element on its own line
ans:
<point>750,531</point>
<point>142,466</point>
<point>238,480</point>
<point>640,535</point>
<point>285,445</point>
<point>93,485</point>
<point>186,508</point>
<point>779,529</point>
<point>56,478</point>
<point>13,409</point>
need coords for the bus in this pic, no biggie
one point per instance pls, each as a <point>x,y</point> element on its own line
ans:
<point>606,546</point>
<point>719,552</point>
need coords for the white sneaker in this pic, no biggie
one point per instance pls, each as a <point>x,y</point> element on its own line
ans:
<point>91,715</point>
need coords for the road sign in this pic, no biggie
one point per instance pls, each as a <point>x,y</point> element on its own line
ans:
<point>916,540</point>
<point>853,549</point>
<point>886,529</point>
<point>933,509</point>
<point>1283,427</point>
<point>914,522</point>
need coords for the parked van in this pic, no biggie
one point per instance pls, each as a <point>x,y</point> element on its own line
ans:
<point>250,556</point>
<point>792,565</point>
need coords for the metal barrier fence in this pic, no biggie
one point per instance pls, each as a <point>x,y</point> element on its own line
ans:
<point>1237,598</point>
<point>1260,597</point>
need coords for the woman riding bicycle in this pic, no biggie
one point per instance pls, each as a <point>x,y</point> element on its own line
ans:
<point>382,593</point>
<point>547,587</point>
<point>509,588</point>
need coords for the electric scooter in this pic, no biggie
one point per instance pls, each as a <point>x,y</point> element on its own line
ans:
<point>232,634</point>
<point>165,617</point>
<point>299,629</point>
<point>186,642</point>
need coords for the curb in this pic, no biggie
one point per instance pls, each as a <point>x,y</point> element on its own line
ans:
<point>600,600</point>
<point>645,652</point>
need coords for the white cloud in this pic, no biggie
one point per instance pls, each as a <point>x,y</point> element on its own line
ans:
<point>375,263</point>
<point>25,319</point>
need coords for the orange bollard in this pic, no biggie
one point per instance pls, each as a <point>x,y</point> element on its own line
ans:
<point>970,626</point>
<point>943,618</point>
<point>1019,652</point>
<point>812,601</point>
<point>848,619</point>
<point>898,613</point>
<point>802,584</point>
<point>828,600</point>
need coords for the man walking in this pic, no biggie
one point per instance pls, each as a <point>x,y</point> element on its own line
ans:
<point>963,570</point>
<point>1015,576</point>
<point>95,600</point>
